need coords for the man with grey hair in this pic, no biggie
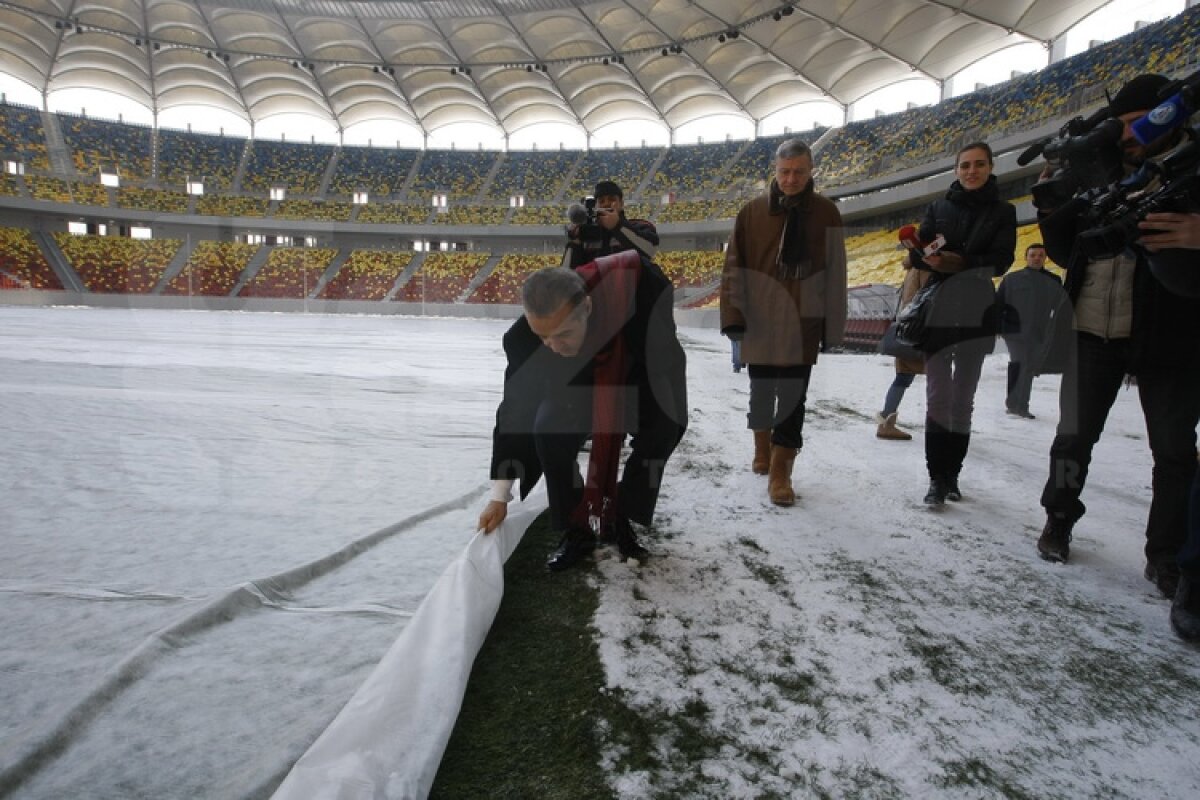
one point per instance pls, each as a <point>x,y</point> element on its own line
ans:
<point>594,354</point>
<point>783,296</point>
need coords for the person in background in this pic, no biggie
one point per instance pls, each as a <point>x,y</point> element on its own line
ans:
<point>1030,300</point>
<point>907,369</point>
<point>783,296</point>
<point>595,354</point>
<point>612,231</point>
<point>1127,323</point>
<point>980,232</point>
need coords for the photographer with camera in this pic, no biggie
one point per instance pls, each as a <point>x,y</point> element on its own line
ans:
<point>1127,323</point>
<point>599,227</point>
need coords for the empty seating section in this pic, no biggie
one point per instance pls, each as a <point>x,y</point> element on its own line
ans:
<point>442,278</point>
<point>52,190</point>
<point>379,171</point>
<point>367,275</point>
<point>866,149</point>
<point>22,135</point>
<point>874,257</point>
<point>212,269</point>
<point>290,272</point>
<point>627,167</point>
<point>127,150</point>
<point>212,160</point>
<point>115,264</point>
<point>145,199</point>
<point>459,174</point>
<point>226,205</point>
<point>504,284</point>
<point>691,171</point>
<point>318,210</point>
<point>21,258</point>
<point>536,175</point>
<point>299,167</point>
<point>394,214</point>
<point>8,185</point>
<point>689,269</point>
<point>540,215</point>
<point>699,210</point>
<point>472,215</point>
<point>89,194</point>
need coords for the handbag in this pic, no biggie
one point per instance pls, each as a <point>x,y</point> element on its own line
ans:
<point>890,345</point>
<point>912,321</point>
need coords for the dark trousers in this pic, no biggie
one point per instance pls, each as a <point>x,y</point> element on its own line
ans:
<point>1020,385</point>
<point>1170,399</point>
<point>1189,556</point>
<point>951,378</point>
<point>777,397</point>
<point>562,425</point>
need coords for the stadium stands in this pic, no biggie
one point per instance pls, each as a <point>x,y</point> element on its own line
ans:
<point>117,265</point>
<point>379,171</point>
<point>21,258</point>
<point>689,269</point>
<point>459,174</point>
<point>290,272</point>
<point>442,278</point>
<point>227,205</point>
<point>212,160</point>
<point>504,284</point>
<point>98,145</point>
<point>212,269</point>
<point>22,135</point>
<point>394,214</point>
<point>367,275</point>
<point>299,167</point>
<point>536,175</point>
<point>692,171</point>
<point>472,215</point>
<point>316,210</point>
<point>627,167</point>
<point>144,199</point>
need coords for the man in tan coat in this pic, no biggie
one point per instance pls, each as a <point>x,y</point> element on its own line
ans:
<point>783,296</point>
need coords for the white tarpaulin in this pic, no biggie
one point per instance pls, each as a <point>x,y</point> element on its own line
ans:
<point>388,740</point>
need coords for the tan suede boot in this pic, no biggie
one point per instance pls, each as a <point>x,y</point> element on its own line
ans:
<point>779,482</point>
<point>887,428</point>
<point>762,452</point>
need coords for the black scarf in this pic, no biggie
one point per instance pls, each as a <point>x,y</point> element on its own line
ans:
<point>794,254</point>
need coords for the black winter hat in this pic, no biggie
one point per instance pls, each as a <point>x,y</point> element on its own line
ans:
<point>607,189</point>
<point>1139,94</point>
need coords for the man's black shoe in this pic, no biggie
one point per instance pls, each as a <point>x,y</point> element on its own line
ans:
<point>936,496</point>
<point>627,543</point>
<point>1185,610</point>
<point>1021,412</point>
<point>1055,542</point>
<point>1164,575</point>
<point>576,544</point>
<point>952,492</point>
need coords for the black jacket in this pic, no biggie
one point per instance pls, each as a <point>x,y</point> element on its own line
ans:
<point>656,370</point>
<point>596,241</point>
<point>981,228</point>
<point>1034,317</point>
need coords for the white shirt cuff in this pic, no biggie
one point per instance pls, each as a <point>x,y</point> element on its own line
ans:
<point>501,491</point>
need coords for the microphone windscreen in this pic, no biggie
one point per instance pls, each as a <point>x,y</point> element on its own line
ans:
<point>1163,118</point>
<point>577,214</point>
<point>908,237</point>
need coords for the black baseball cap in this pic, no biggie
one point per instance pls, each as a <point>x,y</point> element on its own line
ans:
<point>607,189</point>
<point>1139,94</point>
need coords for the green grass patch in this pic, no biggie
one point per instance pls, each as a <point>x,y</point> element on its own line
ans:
<point>529,725</point>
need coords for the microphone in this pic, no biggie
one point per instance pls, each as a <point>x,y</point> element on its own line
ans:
<point>908,237</point>
<point>1162,119</point>
<point>577,214</point>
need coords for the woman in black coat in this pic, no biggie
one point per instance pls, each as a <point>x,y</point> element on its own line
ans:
<point>980,233</point>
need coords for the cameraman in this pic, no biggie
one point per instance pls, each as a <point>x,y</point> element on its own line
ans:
<point>1126,323</point>
<point>610,232</point>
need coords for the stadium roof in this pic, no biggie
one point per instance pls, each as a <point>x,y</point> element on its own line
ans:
<point>509,64</point>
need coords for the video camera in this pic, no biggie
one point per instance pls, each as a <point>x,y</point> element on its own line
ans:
<point>1088,160</point>
<point>1085,154</point>
<point>1110,222</point>
<point>583,214</point>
